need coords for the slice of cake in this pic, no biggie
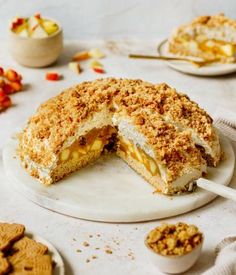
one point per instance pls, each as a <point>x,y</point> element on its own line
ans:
<point>180,111</point>
<point>166,158</point>
<point>208,37</point>
<point>67,132</point>
<point>136,119</point>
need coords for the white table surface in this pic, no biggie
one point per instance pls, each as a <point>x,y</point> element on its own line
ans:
<point>217,219</point>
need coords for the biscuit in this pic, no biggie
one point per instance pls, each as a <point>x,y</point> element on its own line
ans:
<point>4,264</point>
<point>10,233</point>
<point>38,265</point>
<point>24,249</point>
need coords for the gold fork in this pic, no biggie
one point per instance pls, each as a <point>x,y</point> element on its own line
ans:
<point>194,62</point>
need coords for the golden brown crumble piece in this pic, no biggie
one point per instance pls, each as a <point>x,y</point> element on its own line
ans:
<point>86,244</point>
<point>108,251</point>
<point>174,239</point>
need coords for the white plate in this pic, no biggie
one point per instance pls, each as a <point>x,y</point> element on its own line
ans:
<point>110,191</point>
<point>56,257</point>
<point>186,67</point>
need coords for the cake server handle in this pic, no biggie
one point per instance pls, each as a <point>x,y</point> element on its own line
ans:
<point>161,57</point>
<point>221,190</point>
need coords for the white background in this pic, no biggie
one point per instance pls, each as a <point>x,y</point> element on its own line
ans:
<point>113,18</point>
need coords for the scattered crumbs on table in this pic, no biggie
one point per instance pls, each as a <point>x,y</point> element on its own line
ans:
<point>74,239</point>
<point>90,236</point>
<point>79,250</point>
<point>85,244</point>
<point>87,261</point>
<point>108,251</point>
<point>97,248</point>
<point>136,228</point>
<point>116,242</point>
<point>98,235</point>
<point>131,255</point>
<point>94,257</point>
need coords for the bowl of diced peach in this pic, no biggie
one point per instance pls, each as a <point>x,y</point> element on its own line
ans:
<point>35,41</point>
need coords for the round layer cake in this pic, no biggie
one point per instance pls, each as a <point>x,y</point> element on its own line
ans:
<point>163,135</point>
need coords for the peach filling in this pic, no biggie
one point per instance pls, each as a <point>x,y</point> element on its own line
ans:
<point>139,155</point>
<point>94,141</point>
<point>217,47</point>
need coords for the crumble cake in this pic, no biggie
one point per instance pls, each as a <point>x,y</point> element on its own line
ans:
<point>160,133</point>
<point>207,37</point>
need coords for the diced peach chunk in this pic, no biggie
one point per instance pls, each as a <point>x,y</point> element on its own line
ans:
<point>75,67</point>
<point>153,167</point>
<point>96,53</point>
<point>65,154</point>
<point>82,151</point>
<point>37,15</point>
<point>53,76</point>
<point>138,155</point>
<point>95,64</point>
<point>11,75</point>
<point>228,49</point>
<point>17,86</point>
<point>97,145</point>
<point>98,70</point>
<point>81,56</point>
<point>75,155</point>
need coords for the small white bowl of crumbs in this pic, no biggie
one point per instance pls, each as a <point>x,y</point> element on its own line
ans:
<point>174,248</point>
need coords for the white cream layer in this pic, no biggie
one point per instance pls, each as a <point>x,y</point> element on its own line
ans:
<point>213,151</point>
<point>223,33</point>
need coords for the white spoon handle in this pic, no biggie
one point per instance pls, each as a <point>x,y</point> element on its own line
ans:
<point>218,189</point>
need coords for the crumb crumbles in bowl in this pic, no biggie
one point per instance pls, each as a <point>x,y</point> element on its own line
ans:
<point>174,248</point>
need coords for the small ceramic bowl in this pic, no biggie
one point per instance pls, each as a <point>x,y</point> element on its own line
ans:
<point>36,52</point>
<point>175,264</point>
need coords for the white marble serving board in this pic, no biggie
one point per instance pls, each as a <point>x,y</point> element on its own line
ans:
<point>110,191</point>
<point>214,69</point>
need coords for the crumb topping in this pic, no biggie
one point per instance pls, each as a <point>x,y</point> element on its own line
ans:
<point>174,239</point>
<point>152,109</point>
<point>214,21</point>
